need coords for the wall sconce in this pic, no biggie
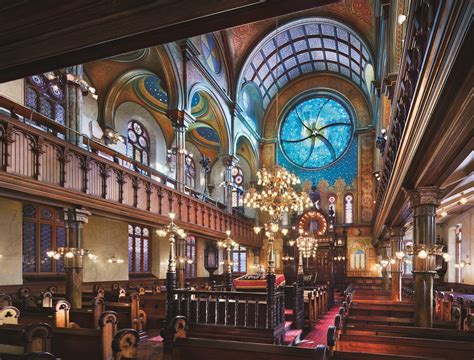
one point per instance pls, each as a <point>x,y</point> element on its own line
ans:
<point>115,260</point>
<point>401,19</point>
<point>63,78</point>
<point>112,136</point>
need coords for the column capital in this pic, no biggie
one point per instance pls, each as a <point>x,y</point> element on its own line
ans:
<point>181,119</point>
<point>396,231</point>
<point>80,215</point>
<point>229,160</point>
<point>423,195</point>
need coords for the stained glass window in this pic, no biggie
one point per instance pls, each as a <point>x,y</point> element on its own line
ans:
<point>190,253</point>
<point>190,171</point>
<point>138,145</point>
<point>211,53</point>
<point>238,186</point>
<point>316,132</point>
<point>46,96</point>
<point>138,249</point>
<point>43,230</point>
<point>332,203</point>
<point>348,209</point>
<point>239,260</point>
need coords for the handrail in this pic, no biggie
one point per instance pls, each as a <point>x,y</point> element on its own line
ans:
<point>221,293</point>
<point>95,147</point>
<point>422,15</point>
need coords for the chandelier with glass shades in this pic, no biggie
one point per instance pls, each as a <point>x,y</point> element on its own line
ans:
<point>276,194</point>
<point>173,231</point>
<point>70,252</point>
<point>307,245</point>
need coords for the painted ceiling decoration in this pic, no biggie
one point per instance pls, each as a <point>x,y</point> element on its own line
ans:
<point>251,103</point>
<point>211,53</point>
<point>316,132</point>
<point>199,105</point>
<point>204,134</point>
<point>305,46</point>
<point>152,90</point>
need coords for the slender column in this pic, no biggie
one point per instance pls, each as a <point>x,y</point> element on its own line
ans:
<point>75,220</point>
<point>171,279</point>
<point>180,265</point>
<point>229,162</point>
<point>181,120</point>
<point>74,103</point>
<point>423,202</point>
<point>396,238</point>
<point>384,251</point>
<point>228,267</point>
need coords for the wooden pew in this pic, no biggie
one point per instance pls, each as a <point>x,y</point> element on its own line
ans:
<point>154,305</point>
<point>88,317</point>
<point>58,316</point>
<point>17,341</point>
<point>96,344</point>
<point>9,315</point>
<point>5,300</point>
<point>129,312</point>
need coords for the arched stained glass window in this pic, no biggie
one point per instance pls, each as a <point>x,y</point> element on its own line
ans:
<point>190,171</point>
<point>138,146</point>
<point>190,253</point>
<point>332,203</point>
<point>316,132</point>
<point>239,260</point>
<point>238,188</point>
<point>138,249</point>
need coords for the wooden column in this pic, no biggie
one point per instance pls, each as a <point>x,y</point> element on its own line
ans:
<point>384,251</point>
<point>423,202</point>
<point>396,238</point>
<point>75,220</point>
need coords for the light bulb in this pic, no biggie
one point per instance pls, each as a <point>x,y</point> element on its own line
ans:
<point>172,216</point>
<point>291,242</point>
<point>422,254</point>
<point>446,257</point>
<point>463,200</point>
<point>444,214</point>
<point>50,253</point>
<point>392,261</point>
<point>400,255</point>
<point>227,232</point>
<point>56,256</point>
<point>401,19</point>
<point>257,229</point>
<point>69,255</point>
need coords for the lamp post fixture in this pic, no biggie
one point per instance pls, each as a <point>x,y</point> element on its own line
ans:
<point>173,232</point>
<point>228,245</point>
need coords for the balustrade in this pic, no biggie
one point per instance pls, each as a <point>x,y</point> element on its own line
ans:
<point>36,160</point>
<point>229,308</point>
<point>418,35</point>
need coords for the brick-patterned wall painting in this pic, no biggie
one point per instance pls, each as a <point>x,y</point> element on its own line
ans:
<point>362,257</point>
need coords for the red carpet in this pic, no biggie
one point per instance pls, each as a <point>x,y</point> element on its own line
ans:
<point>318,335</point>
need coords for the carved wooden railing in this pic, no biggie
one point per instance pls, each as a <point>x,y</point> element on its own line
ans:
<point>36,160</point>
<point>229,308</point>
<point>418,35</point>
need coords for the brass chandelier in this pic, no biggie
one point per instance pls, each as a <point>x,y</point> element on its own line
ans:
<point>276,194</point>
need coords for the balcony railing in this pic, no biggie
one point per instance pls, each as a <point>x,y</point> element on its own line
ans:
<point>35,159</point>
<point>418,35</point>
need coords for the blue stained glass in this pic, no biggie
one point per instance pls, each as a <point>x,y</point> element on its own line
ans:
<point>46,244</point>
<point>46,108</point>
<point>29,246</point>
<point>145,255</point>
<point>316,132</point>
<point>138,254</point>
<point>60,242</point>
<point>130,254</point>
<point>29,211</point>
<point>31,98</point>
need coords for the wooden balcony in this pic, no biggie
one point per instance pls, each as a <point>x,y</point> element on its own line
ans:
<point>35,162</point>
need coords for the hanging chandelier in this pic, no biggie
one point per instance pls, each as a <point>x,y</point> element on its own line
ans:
<point>307,245</point>
<point>276,194</point>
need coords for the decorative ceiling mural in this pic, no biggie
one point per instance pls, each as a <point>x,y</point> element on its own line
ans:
<point>252,104</point>
<point>204,134</point>
<point>211,53</point>
<point>316,132</point>
<point>199,105</point>
<point>305,46</point>
<point>152,90</point>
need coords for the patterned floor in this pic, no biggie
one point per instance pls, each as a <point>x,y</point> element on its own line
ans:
<point>318,335</point>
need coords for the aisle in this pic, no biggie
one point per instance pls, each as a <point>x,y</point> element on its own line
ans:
<point>318,335</point>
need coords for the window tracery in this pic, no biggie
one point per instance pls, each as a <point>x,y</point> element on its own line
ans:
<point>138,249</point>
<point>138,144</point>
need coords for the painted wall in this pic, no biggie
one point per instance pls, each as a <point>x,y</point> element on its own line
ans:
<point>105,237</point>
<point>466,220</point>
<point>10,242</point>
<point>14,90</point>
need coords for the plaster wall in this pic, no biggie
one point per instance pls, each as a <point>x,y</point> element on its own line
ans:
<point>105,237</point>
<point>10,242</point>
<point>14,90</point>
